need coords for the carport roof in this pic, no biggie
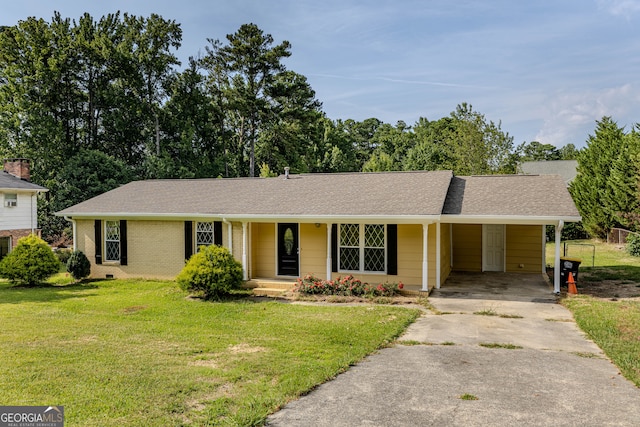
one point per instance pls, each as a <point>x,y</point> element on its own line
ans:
<point>510,196</point>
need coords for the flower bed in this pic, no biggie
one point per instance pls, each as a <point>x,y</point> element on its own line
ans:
<point>345,286</point>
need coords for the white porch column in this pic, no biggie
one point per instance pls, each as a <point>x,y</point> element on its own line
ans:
<point>245,267</point>
<point>329,260</point>
<point>438,259</point>
<point>230,237</point>
<point>425,257</point>
<point>556,269</point>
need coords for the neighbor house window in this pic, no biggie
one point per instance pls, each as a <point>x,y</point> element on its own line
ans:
<point>10,200</point>
<point>112,240</point>
<point>204,234</point>
<point>362,247</point>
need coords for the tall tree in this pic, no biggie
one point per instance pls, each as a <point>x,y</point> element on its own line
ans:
<point>590,188</point>
<point>246,68</point>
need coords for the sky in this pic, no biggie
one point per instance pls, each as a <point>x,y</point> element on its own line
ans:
<point>546,69</point>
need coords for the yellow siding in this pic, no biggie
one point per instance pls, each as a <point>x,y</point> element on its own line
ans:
<point>263,254</point>
<point>467,247</point>
<point>313,250</point>
<point>524,248</point>
<point>155,249</point>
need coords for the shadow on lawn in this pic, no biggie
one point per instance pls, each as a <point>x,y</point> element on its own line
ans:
<point>44,292</point>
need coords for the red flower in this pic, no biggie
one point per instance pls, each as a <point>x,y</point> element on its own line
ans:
<point>400,285</point>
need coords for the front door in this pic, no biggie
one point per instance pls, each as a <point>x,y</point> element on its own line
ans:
<point>288,261</point>
<point>493,247</point>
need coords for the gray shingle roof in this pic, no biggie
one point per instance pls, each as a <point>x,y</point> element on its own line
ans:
<point>8,181</point>
<point>350,194</point>
<point>513,195</point>
<point>567,169</point>
<point>390,194</point>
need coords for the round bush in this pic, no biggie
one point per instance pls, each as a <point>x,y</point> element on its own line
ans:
<point>78,265</point>
<point>212,272</point>
<point>633,244</point>
<point>30,262</point>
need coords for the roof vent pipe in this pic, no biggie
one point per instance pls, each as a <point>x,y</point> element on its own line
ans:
<point>286,172</point>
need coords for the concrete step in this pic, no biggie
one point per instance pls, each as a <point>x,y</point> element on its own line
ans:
<point>268,292</point>
<point>269,284</point>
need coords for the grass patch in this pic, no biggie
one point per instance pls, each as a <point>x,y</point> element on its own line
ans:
<point>468,396</point>
<point>614,326</point>
<point>586,355</point>
<point>486,312</point>
<point>409,342</point>
<point>499,345</point>
<point>448,343</point>
<point>130,353</point>
<point>511,316</point>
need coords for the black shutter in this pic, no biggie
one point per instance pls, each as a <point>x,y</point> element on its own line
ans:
<point>392,249</point>
<point>217,233</point>
<point>188,239</point>
<point>123,242</point>
<point>98,238</point>
<point>334,247</point>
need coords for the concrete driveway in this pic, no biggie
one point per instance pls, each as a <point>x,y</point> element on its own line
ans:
<point>557,378</point>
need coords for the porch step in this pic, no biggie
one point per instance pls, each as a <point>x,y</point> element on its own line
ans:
<point>269,287</point>
<point>413,293</point>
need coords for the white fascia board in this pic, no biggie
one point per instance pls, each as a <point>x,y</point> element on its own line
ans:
<point>23,190</point>
<point>333,219</point>
<point>507,219</point>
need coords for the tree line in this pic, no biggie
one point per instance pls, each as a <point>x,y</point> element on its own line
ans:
<point>96,103</point>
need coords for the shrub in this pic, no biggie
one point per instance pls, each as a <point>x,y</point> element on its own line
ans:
<point>30,262</point>
<point>345,286</point>
<point>212,272</point>
<point>63,255</point>
<point>78,265</point>
<point>633,244</point>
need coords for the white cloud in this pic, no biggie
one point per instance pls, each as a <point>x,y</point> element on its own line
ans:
<point>620,7</point>
<point>570,114</point>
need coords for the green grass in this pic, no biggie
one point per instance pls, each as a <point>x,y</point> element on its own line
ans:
<point>468,396</point>
<point>499,345</point>
<point>131,353</point>
<point>615,327</point>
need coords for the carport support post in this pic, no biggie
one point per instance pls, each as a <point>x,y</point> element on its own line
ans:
<point>245,270</point>
<point>425,257</point>
<point>556,268</point>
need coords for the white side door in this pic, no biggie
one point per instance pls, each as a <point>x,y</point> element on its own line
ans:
<point>493,247</point>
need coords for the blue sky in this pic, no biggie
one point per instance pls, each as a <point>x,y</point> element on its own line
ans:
<point>546,69</point>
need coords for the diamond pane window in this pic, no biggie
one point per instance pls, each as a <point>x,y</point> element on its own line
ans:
<point>362,247</point>
<point>204,234</point>
<point>112,241</point>
<point>350,235</point>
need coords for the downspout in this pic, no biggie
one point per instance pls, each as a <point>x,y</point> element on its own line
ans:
<point>33,229</point>
<point>73,228</point>
<point>556,270</point>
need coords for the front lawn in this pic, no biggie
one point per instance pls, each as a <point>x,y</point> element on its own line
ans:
<point>131,353</point>
<point>614,326</point>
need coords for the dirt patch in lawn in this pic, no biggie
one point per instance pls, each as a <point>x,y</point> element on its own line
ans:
<point>605,288</point>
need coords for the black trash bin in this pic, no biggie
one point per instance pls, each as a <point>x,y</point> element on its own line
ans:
<point>569,265</point>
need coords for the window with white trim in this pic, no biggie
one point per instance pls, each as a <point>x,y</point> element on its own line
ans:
<point>204,234</point>
<point>362,248</point>
<point>112,240</point>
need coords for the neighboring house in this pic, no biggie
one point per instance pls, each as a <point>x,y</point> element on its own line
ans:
<point>567,169</point>
<point>414,227</point>
<point>19,211</point>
